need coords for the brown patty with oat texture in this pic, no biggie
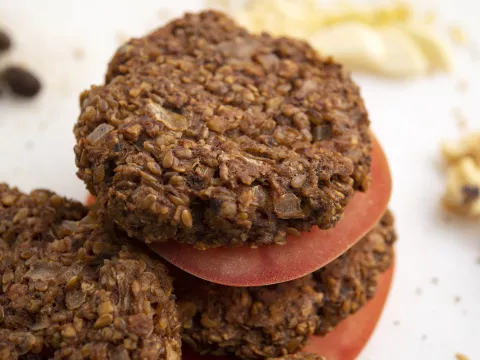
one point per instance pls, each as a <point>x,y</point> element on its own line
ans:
<point>275,320</point>
<point>69,291</point>
<point>208,135</point>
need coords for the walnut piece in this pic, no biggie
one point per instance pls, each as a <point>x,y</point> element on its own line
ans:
<point>462,193</point>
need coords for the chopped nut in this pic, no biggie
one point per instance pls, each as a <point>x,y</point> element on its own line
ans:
<point>351,33</point>
<point>171,120</point>
<point>467,146</point>
<point>463,175</point>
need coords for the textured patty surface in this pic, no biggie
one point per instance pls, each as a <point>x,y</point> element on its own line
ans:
<point>212,136</point>
<point>69,292</point>
<point>276,320</point>
<point>300,356</point>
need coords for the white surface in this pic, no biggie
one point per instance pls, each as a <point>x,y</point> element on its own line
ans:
<point>425,318</point>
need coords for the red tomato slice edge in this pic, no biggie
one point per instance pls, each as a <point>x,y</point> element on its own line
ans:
<point>350,336</point>
<point>347,339</point>
<point>301,255</point>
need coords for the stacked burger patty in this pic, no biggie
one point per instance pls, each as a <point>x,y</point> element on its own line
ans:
<point>240,207</point>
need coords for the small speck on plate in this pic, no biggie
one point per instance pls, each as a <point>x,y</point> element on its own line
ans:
<point>457,299</point>
<point>164,14</point>
<point>418,291</point>
<point>462,85</point>
<point>121,37</point>
<point>424,337</point>
<point>78,53</point>
<point>29,145</point>
<point>435,280</point>
<point>396,323</point>
<point>460,118</point>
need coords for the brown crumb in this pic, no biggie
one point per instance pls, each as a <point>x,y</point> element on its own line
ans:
<point>78,53</point>
<point>461,356</point>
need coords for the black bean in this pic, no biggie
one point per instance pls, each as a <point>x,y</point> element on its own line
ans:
<point>21,81</point>
<point>5,42</point>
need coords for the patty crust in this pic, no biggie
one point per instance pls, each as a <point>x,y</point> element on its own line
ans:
<point>69,291</point>
<point>208,135</point>
<point>276,320</point>
<point>299,356</point>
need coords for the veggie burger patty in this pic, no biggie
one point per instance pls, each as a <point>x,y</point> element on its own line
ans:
<point>70,291</point>
<point>269,321</point>
<point>208,135</point>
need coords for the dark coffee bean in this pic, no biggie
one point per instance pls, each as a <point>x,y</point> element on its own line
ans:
<point>22,82</point>
<point>5,42</point>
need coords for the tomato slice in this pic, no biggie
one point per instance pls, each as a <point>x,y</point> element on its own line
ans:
<point>347,339</point>
<point>301,255</point>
